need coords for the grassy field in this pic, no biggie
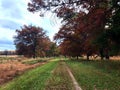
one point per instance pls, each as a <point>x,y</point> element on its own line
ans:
<point>91,75</point>
<point>96,75</point>
<point>32,80</point>
<point>60,79</point>
<point>51,76</point>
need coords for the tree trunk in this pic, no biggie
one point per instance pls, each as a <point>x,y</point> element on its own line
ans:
<point>88,57</point>
<point>107,54</point>
<point>107,57</point>
<point>77,57</point>
<point>101,53</point>
<point>34,52</point>
<point>34,47</point>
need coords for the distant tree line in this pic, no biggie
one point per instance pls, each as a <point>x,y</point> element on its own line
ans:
<point>7,52</point>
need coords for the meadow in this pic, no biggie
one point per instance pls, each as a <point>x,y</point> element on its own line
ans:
<point>11,67</point>
<point>31,80</point>
<point>51,74</point>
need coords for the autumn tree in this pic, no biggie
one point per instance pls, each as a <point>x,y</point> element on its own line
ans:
<point>113,31</point>
<point>108,41</point>
<point>31,41</point>
<point>53,50</point>
<point>82,31</point>
<point>84,22</point>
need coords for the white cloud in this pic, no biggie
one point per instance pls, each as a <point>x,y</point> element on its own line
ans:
<point>14,14</point>
<point>6,33</point>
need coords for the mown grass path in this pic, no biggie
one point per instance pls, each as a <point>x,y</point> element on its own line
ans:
<point>61,79</point>
<point>32,80</point>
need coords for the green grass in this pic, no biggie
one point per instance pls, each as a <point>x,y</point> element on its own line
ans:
<point>100,75</point>
<point>31,80</point>
<point>91,75</point>
<point>60,79</point>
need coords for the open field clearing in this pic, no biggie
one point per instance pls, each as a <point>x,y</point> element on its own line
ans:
<point>115,58</point>
<point>4,59</point>
<point>51,76</point>
<point>96,75</point>
<point>90,75</point>
<point>31,80</point>
<point>12,67</point>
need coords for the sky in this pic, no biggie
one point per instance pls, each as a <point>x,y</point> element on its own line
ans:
<point>14,14</point>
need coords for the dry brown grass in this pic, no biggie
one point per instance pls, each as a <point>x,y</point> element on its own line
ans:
<point>11,69</point>
<point>115,58</point>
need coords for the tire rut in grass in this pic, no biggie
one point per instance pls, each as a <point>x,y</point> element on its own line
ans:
<point>75,83</point>
<point>60,79</point>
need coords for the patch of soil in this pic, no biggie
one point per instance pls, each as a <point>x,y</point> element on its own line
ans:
<point>12,69</point>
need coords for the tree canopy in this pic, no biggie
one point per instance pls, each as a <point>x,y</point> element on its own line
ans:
<point>31,41</point>
<point>84,25</point>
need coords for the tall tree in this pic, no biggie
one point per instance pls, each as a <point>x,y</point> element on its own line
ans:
<point>113,32</point>
<point>30,40</point>
<point>83,22</point>
<point>53,50</point>
<point>108,41</point>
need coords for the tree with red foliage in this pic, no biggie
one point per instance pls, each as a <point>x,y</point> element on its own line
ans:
<point>31,40</point>
<point>83,21</point>
<point>81,31</point>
